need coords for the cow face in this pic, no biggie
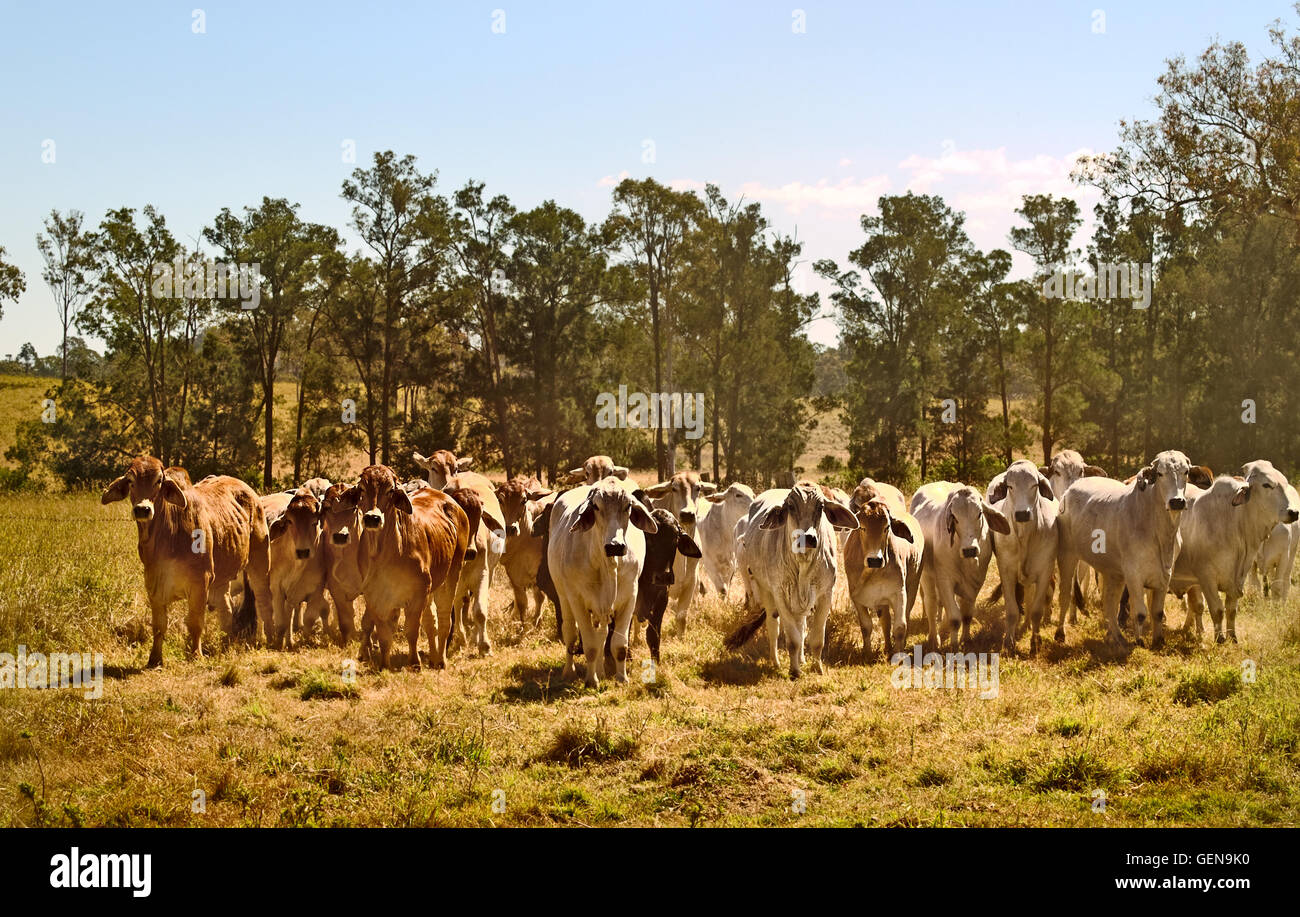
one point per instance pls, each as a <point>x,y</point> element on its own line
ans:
<point>1265,483</point>
<point>1167,477</point>
<point>969,519</point>
<point>609,508</point>
<point>442,466</point>
<point>148,484</point>
<point>681,496</point>
<point>301,523</point>
<point>1021,485</point>
<point>801,514</point>
<point>662,548</point>
<point>514,496</point>
<point>340,518</point>
<point>875,525</point>
<point>735,500</point>
<point>377,496</point>
<point>1065,468</point>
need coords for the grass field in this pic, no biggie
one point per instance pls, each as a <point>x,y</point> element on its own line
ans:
<point>282,738</point>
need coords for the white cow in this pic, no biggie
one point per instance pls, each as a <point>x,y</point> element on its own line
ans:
<point>716,532</point>
<point>1222,531</point>
<point>1129,534</point>
<point>957,523</point>
<point>1276,558</point>
<point>595,554</point>
<point>788,550</point>
<point>1026,555</point>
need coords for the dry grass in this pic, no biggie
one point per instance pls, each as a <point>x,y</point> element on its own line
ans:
<point>717,739</point>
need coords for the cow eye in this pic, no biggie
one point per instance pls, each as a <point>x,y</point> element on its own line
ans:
<point>1268,485</point>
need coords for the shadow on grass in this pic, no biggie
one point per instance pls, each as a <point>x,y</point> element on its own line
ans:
<point>539,683</point>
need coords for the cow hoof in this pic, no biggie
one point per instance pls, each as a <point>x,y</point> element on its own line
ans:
<point>155,661</point>
<point>1059,636</point>
<point>1157,642</point>
<point>1218,638</point>
<point>794,674</point>
<point>1232,636</point>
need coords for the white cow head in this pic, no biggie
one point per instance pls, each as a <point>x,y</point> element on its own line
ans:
<point>1021,485</point>
<point>969,518</point>
<point>801,513</point>
<point>1265,483</point>
<point>609,508</point>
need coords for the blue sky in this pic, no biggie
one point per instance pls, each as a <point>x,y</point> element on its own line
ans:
<point>977,102</point>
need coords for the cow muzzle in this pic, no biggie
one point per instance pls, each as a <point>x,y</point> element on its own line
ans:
<point>687,518</point>
<point>1292,515</point>
<point>142,511</point>
<point>875,562</point>
<point>662,579</point>
<point>1177,503</point>
<point>970,553</point>
<point>303,553</point>
<point>340,537</point>
<point>1022,515</point>
<point>615,550</point>
<point>512,529</point>
<point>805,542</point>
<point>372,520</point>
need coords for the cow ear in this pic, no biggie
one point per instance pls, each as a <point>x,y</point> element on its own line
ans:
<point>708,487</point>
<point>715,498</point>
<point>585,518</point>
<point>172,493</point>
<point>952,524</point>
<point>1093,471</point>
<point>402,501</point>
<point>463,464</point>
<point>1044,470</point>
<point>687,547</point>
<point>1201,476</point>
<point>643,520</point>
<point>901,529</point>
<point>660,489</point>
<point>840,515</point>
<point>421,460</point>
<point>999,492</point>
<point>997,521</point>
<point>276,528</point>
<point>116,491</point>
<point>1045,488</point>
<point>351,497</point>
<point>542,523</point>
<point>620,472</point>
<point>494,524</point>
<point>538,494</point>
<point>1242,495</point>
<point>774,518</point>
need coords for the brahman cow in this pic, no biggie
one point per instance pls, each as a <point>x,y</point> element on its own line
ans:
<point>411,553</point>
<point>441,466</point>
<point>193,540</point>
<point>661,550</point>
<point>594,469</point>
<point>1276,558</point>
<point>522,500</point>
<point>595,555</point>
<point>681,495</point>
<point>882,567</point>
<point>716,533</point>
<point>957,523</point>
<point>488,542</point>
<point>1026,556</point>
<point>788,551</point>
<point>1129,534</point>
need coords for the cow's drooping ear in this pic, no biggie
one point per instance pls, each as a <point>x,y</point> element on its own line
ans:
<point>708,487</point>
<point>952,526</point>
<point>642,519</point>
<point>687,547</point>
<point>999,491</point>
<point>351,497</point>
<point>463,464</point>
<point>772,518</point>
<point>659,490</point>
<point>715,498</point>
<point>620,472</point>
<point>542,523</point>
<point>1045,488</point>
<point>422,460</point>
<point>494,524</point>
<point>116,491</point>
<point>901,529</point>
<point>586,516</point>
<point>1242,495</point>
<point>538,494</point>
<point>402,501</point>
<point>1200,475</point>
<point>1044,470</point>
<point>840,515</point>
<point>172,493</point>
<point>997,521</point>
<point>1146,476</point>
<point>276,528</point>
<point>1093,471</point>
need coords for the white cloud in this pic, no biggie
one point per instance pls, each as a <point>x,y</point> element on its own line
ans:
<point>847,193</point>
<point>609,181</point>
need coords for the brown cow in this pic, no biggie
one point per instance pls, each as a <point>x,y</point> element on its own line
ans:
<point>298,565</point>
<point>488,540</point>
<point>522,499</point>
<point>411,552</point>
<point>193,540</point>
<point>440,467</point>
<point>341,543</point>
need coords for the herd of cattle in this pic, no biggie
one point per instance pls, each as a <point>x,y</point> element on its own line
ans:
<point>611,555</point>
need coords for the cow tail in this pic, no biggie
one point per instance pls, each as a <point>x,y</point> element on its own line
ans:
<point>740,636</point>
<point>1078,594</point>
<point>245,619</point>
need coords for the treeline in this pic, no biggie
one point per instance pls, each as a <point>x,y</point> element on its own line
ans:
<point>462,321</point>
<point>465,321</point>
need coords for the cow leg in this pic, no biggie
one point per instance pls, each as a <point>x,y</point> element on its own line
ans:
<point>1230,613</point>
<point>318,611</point>
<point>280,619</point>
<point>479,607</point>
<point>1011,600</point>
<point>444,599</point>
<point>159,622</point>
<point>384,633</point>
<point>865,621</point>
<point>817,638</point>
<point>344,611</point>
<point>417,613</point>
<point>367,628</point>
<point>521,602</point>
<point>225,614</point>
<point>794,635</point>
<point>1195,605</point>
<point>618,643</point>
<point>1067,570</point>
<point>593,646</point>
<point>683,605</point>
<point>930,604</point>
<point>773,638</point>
<point>953,614</point>
<point>654,626</point>
<point>1139,609</point>
<point>1215,604</point>
<point>197,607</point>
<point>1111,587</point>
<point>893,621</point>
